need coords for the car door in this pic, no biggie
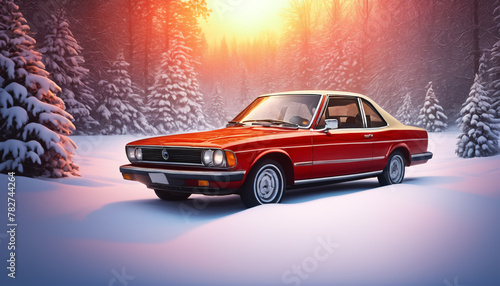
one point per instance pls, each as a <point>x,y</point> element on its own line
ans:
<point>347,149</point>
<point>382,137</point>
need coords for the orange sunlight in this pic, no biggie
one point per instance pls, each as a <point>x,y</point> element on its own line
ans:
<point>242,19</point>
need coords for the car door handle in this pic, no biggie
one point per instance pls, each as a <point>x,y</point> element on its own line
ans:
<point>368,136</point>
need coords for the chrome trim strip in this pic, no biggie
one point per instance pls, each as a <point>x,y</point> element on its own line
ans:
<point>338,178</point>
<point>321,111</point>
<point>182,172</point>
<point>303,163</point>
<point>338,161</point>
<point>169,163</point>
<point>370,142</point>
<point>341,161</point>
<point>363,115</point>
<point>170,146</point>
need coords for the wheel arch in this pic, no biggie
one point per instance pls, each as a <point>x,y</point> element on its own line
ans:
<point>280,157</point>
<point>404,149</point>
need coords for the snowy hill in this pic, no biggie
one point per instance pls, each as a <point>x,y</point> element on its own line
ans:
<point>440,227</point>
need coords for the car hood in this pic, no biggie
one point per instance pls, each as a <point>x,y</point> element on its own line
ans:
<point>221,138</point>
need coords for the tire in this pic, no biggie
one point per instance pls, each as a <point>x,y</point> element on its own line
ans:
<point>265,184</point>
<point>171,196</point>
<point>394,171</point>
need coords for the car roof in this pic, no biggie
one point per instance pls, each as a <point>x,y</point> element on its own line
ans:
<point>318,92</point>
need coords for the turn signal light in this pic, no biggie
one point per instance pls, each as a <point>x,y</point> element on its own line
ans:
<point>202,183</point>
<point>230,158</point>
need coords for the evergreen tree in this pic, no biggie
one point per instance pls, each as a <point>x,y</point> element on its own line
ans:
<point>118,112</point>
<point>176,91</point>
<point>244,93</point>
<point>431,116</point>
<point>479,136</point>
<point>217,115</point>
<point>34,125</point>
<point>188,106</point>
<point>339,69</point>
<point>494,70</point>
<point>62,60</point>
<point>405,113</point>
<point>161,113</point>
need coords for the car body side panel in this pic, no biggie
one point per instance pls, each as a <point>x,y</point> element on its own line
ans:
<point>296,145</point>
<point>340,152</point>
<point>386,140</point>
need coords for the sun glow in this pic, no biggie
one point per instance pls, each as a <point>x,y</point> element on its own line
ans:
<point>242,19</point>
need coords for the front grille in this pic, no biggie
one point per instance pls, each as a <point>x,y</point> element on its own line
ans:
<point>175,155</point>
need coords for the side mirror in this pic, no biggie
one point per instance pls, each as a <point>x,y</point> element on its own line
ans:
<point>331,124</point>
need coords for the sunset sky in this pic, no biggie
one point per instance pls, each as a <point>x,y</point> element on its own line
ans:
<point>243,19</point>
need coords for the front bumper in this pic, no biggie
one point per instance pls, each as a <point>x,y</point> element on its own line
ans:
<point>217,182</point>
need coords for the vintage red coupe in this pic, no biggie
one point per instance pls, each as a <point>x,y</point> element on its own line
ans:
<point>280,141</point>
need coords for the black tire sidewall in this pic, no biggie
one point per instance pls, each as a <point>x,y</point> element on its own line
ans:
<point>385,178</point>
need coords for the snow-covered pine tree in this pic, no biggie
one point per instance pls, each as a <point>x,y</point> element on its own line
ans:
<point>244,93</point>
<point>60,54</point>
<point>118,112</point>
<point>188,104</point>
<point>479,136</point>
<point>175,93</point>
<point>494,70</point>
<point>34,125</point>
<point>160,98</point>
<point>216,111</point>
<point>406,112</point>
<point>431,116</point>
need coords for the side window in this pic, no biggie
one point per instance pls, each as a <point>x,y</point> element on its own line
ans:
<point>373,118</point>
<point>345,110</point>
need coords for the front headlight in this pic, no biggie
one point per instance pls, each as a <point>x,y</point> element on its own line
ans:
<point>134,154</point>
<point>207,157</point>
<point>218,158</point>
<point>131,153</point>
<point>138,153</point>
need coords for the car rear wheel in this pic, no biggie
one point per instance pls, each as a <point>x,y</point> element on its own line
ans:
<point>394,171</point>
<point>265,184</point>
<point>171,196</point>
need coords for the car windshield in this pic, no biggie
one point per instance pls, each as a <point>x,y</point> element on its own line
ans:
<point>285,110</point>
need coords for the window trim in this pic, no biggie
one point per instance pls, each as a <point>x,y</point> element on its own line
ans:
<point>325,107</point>
<point>362,100</point>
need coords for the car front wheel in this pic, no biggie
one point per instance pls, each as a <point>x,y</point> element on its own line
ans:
<point>265,184</point>
<point>394,171</point>
<point>171,196</point>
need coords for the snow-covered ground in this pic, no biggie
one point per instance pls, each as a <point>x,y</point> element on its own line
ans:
<point>440,227</point>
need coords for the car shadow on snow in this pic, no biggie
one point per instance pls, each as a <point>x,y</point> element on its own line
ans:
<point>311,193</point>
<point>150,220</point>
<point>155,221</point>
<point>433,180</point>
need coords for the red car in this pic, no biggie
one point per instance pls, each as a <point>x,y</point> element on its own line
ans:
<point>279,141</point>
